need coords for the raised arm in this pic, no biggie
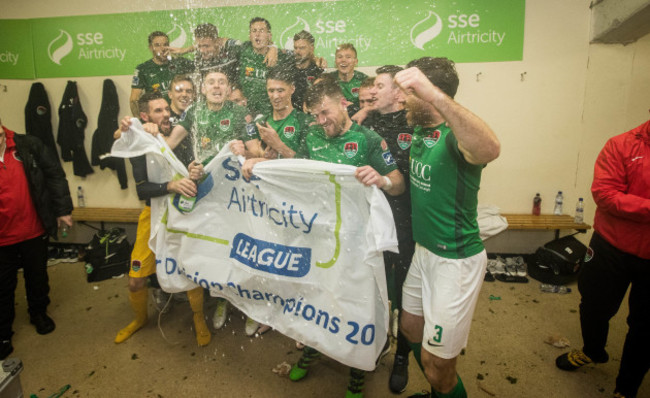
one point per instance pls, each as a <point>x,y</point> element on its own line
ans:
<point>476,140</point>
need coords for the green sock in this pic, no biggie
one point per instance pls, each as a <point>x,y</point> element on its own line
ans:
<point>457,392</point>
<point>416,347</point>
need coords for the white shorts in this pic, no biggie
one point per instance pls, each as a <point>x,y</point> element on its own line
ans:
<point>443,291</point>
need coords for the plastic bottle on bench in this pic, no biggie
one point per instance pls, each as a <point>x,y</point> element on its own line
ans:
<point>580,212</point>
<point>81,199</point>
<point>557,210</point>
<point>537,205</point>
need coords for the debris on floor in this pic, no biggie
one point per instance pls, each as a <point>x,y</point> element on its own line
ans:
<point>557,341</point>
<point>282,369</point>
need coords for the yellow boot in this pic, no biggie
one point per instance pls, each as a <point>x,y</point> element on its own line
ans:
<point>203,335</point>
<point>139,304</point>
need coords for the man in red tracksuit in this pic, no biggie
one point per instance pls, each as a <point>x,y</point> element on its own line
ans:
<point>34,202</point>
<point>618,255</point>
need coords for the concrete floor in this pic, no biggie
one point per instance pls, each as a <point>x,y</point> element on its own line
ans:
<point>506,355</point>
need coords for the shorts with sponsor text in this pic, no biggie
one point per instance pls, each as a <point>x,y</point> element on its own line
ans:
<point>143,261</point>
<point>444,291</point>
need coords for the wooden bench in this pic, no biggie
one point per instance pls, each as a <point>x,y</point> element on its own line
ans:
<point>544,222</point>
<point>83,215</point>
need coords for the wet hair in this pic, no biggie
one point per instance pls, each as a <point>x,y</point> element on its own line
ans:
<point>181,78</point>
<point>439,71</point>
<point>155,34</point>
<point>146,98</point>
<point>389,69</point>
<point>346,46</point>
<point>206,30</point>
<point>282,74</point>
<point>367,82</point>
<point>318,92</point>
<point>206,72</point>
<point>304,35</point>
<point>260,19</point>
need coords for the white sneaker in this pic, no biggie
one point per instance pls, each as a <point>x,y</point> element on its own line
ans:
<point>251,326</point>
<point>220,314</point>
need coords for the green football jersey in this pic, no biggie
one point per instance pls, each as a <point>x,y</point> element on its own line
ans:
<point>351,88</point>
<point>149,76</point>
<point>252,78</point>
<point>212,130</point>
<point>292,129</point>
<point>358,146</point>
<point>444,194</point>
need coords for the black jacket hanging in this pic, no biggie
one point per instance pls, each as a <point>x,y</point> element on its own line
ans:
<point>103,136</point>
<point>72,123</point>
<point>38,116</point>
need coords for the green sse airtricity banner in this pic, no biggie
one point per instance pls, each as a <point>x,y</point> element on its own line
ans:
<point>383,32</point>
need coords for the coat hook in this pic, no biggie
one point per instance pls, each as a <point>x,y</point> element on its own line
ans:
<point>522,76</point>
<point>478,75</point>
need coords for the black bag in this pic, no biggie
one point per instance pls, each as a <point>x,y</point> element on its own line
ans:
<point>559,261</point>
<point>107,255</point>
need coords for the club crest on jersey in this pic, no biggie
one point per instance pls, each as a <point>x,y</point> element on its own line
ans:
<point>350,149</point>
<point>289,131</point>
<point>16,156</point>
<point>310,79</point>
<point>355,91</point>
<point>431,139</point>
<point>404,140</point>
<point>589,255</point>
<point>224,124</point>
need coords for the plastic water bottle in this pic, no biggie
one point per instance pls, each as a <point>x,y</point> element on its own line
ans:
<point>81,200</point>
<point>557,210</point>
<point>537,205</point>
<point>548,288</point>
<point>580,212</point>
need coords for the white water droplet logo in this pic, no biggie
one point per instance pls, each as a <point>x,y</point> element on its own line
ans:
<point>60,47</point>
<point>181,39</point>
<point>427,35</point>
<point>286,38</point>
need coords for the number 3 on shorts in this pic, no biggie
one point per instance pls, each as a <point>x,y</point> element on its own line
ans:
<point>437,337</point>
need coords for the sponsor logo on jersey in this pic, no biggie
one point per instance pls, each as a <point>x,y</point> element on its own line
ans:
<point>425,30</point>
<point>431,139</point>
<point>136,79</point>
<point>224,124</point>
<point>588,256</point>
<point>289,131</point>
<point>249,71</point>
<point>388,158</point>
<point>404,140</point>
<point>350,149</point>
<point>60,47</point>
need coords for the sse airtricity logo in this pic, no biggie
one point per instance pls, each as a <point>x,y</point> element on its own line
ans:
<point>178,36</point>
<point>286,38</point>
<point>426,30</point>
<point>60,47</point>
